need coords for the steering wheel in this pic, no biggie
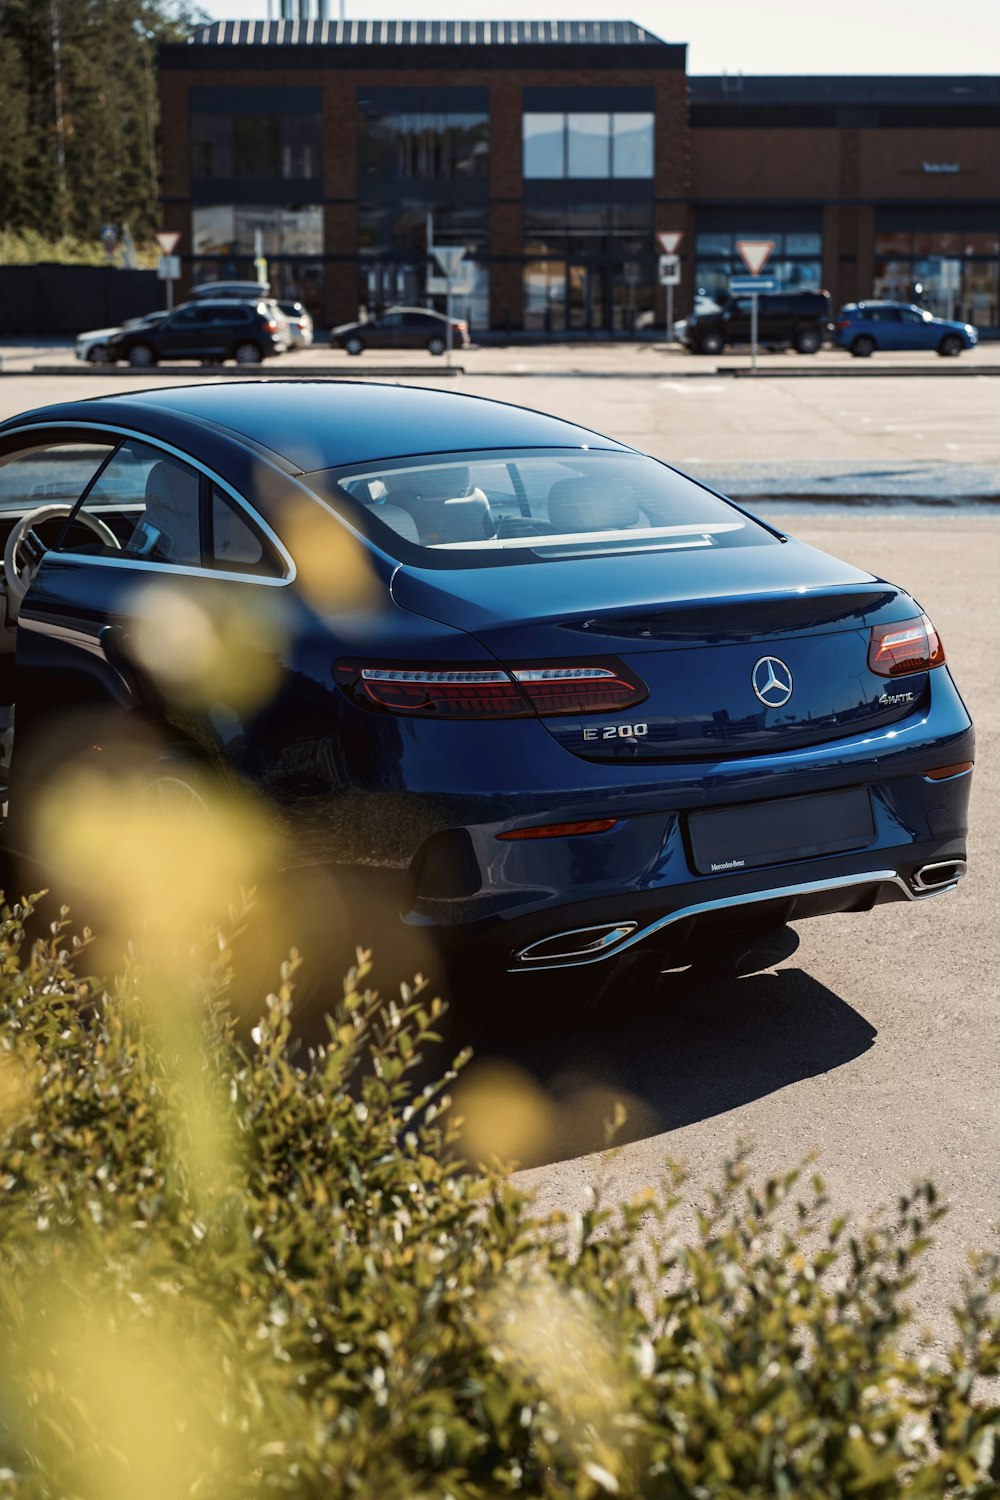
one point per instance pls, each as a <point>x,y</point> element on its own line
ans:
<point>22,556</point>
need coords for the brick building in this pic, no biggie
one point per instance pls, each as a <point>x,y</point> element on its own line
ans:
<point>554,152</point>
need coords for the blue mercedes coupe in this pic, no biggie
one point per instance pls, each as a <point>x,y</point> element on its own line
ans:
<point>558,701</point>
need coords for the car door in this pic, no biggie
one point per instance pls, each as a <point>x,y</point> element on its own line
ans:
<point>386,331</point>
<point>738,320</point>
<point>117,626</point>
<point>184,333</point>
<point>916,330</point>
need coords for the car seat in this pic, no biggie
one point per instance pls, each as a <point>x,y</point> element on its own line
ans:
<point>172,513</point>
<point>591,504</point>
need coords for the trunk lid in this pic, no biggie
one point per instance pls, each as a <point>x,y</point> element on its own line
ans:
<point>752,650</point>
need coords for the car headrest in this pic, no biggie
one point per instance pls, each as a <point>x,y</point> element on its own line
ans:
<point>400,520</point>
<point>172,506</point>
<point>412,486</point>
<point>591,504</point>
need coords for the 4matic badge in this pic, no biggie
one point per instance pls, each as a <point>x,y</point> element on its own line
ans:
<point>887,699</point>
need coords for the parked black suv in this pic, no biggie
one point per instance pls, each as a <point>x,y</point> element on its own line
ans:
<point>225,329</point>
<point>802,319</point>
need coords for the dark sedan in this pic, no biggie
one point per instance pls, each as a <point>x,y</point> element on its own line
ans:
<point>402,328</point>
<point>553,699</point>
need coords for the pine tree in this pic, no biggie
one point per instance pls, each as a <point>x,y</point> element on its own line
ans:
<point>79,112</point>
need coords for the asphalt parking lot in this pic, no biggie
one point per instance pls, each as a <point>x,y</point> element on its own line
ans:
<point>872,1039</point>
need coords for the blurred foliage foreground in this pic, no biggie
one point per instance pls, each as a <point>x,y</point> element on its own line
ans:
<point>225,1272</point>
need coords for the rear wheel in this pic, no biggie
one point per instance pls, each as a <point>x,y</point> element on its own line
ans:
<point>950,346</point>
<point>808,340</point>
<point>141,356</point>
<point>711,343</point>
<point>863,346</point>
<point>354,345</point>
<point>436,345</point>
<point>248,353</point>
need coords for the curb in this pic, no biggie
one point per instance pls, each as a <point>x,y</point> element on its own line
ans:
<point>252,372</point>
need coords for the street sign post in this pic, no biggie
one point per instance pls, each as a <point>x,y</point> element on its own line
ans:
<point>755,255</point>
<point>739,286</point>
<point>670,271</point>
<point>449,258</point>
<point>169,267</point>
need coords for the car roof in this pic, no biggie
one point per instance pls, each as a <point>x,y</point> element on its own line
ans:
<point>321,424</point>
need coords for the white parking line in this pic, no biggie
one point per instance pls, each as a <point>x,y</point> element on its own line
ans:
<point>695,387</point>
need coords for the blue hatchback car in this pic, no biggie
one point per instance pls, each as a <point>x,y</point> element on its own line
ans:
<point>582,705</point>
<point>863,327</point>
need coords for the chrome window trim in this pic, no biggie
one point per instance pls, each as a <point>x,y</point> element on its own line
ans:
<point>239,501</point>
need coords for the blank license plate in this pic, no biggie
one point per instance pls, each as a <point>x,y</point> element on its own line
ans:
<point>770,833</point>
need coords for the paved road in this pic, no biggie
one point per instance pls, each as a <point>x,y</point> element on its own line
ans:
<point>836,435</point>
<point>873,1039</point>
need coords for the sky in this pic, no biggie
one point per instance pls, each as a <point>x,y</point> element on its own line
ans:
<point>772,36</point>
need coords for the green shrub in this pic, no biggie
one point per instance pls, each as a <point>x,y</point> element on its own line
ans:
<point>226,1272</point>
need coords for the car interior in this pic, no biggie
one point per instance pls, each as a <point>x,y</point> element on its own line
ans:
<point>533,498</point>
<point>134,502</point>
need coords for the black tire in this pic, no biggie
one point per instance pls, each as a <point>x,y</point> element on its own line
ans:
<point>248,353</point>
<point>863,347</point>
<point>436,345</point>
<point>808,341</point>
<point>950,346</point>
<point>711,342</point>
<point>353,344</point>
<point>142,356</point>
<point>99,355</point>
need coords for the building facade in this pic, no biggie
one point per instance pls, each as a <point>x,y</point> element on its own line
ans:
<point>554,153</point>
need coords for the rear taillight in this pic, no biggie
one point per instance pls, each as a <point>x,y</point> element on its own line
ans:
<point>907,646</point>
<point>844,323</point>
<point>271,327</point>
<point>579,690</point>
<point>492,693</point>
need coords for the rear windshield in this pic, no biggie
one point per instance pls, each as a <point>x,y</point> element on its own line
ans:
<point>474,509</point>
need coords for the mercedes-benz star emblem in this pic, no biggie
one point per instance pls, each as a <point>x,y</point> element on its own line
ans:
<point>772,682</point>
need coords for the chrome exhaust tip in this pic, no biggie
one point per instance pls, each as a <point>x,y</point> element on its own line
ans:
<point>942,875</point>
<point>578,945</point>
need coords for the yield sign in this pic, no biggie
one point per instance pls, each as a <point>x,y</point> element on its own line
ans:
<point>449,258</point>
<point>166,241</point>
<point>669,240</point>
<point>755,254</point>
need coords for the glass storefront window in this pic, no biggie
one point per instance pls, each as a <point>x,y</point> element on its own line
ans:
<point>401,228</point>
<point>892,244</point>
<point>937,244</point>
<point>803,244</point>
<point>422,144</point>
<point>255,145</point>
<point>230,229</point>
<point>588,144</point>
<point>544,146</point>
<point>632,145</point>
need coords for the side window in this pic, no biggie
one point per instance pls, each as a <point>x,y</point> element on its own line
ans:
<point>189,317</point>
<point>391,320</point>
<point>49,474</point>
<point>236,545</point>
<point>149,506</point>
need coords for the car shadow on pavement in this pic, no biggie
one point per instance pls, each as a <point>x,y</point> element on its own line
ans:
<point>673,1049</point>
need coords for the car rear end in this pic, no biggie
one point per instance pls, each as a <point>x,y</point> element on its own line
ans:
<point>664,716</point>
<point>273,327</point>
<point>300,324</point>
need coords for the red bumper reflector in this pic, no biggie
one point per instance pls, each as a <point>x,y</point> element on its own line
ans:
<point>941,773</point>
<point>560,830</point>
